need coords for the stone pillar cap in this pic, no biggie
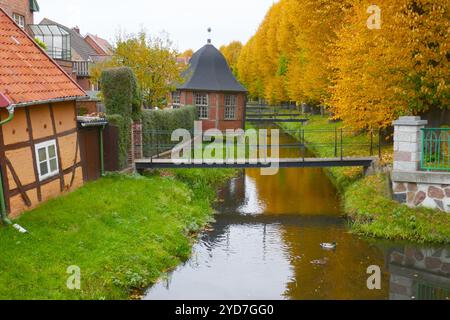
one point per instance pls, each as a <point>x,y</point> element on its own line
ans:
<point>410,121</point>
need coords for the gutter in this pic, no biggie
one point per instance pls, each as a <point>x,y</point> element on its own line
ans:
<point>56,100</point>
<point>3,212</point>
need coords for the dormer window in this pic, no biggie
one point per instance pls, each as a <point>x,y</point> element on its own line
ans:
<point>19,19</point>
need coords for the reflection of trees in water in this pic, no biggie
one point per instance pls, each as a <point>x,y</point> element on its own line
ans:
<point>345,274</point>
<point>421,274</point>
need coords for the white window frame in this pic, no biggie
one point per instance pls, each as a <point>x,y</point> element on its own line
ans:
<point>176,99</point>
<point>202,104</point>
<point>50,173</point>
<point>19,19</point>
<point>230,107</point>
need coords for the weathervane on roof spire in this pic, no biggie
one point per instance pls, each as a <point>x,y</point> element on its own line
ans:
<point>209,36</point>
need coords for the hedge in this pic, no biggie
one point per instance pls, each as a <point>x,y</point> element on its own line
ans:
<point>123,104</point>
<point>124,137</point>
<point>121,92</point>
<point>157,126</point>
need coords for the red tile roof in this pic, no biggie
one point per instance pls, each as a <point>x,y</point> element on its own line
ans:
<point>104,45</point>
<point>27,73</point>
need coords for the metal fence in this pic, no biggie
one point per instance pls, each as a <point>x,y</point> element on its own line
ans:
<point>435,149</point>
<point>334,143</point>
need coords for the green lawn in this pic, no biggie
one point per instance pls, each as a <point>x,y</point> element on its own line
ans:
<point>122,231</point>
<point>320,136</point>
<point>367,200</point>
<point>373,213</point>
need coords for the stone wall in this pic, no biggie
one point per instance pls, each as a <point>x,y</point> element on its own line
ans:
<point>411,185</point>
<point>433,196</point>
<point>411,270</point>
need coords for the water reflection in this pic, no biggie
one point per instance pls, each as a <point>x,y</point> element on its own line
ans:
<point>419,274</point>
<point>268,230</point>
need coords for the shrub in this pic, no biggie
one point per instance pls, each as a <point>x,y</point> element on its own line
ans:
<point>124,137</point>
<point>123,104</point>
<point>121,93</point>
<point>157,126</point>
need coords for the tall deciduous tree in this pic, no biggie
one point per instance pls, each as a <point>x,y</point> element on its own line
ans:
<point>231,52</point>
<point>324,51</point>
<point>153,61</point>
<point>401,68</point>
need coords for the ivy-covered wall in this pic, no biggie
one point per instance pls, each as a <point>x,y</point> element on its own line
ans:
<point>159,124</point>
<point>123,105</point>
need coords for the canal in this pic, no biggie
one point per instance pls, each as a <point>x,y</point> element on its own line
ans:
<point>265,244</point>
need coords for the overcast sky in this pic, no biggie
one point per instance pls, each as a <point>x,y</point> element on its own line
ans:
<point>185,21</point>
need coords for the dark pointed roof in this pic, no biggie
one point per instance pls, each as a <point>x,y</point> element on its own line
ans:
<point>209,71</point>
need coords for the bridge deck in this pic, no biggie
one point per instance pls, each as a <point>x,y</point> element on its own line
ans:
<point>246,164</point>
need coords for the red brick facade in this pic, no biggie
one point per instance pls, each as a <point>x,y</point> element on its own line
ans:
<point>21,7</point>
<point>216,109</point>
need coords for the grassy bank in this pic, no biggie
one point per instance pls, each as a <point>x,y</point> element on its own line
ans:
<point>367,200</point>
<point>121,231</point>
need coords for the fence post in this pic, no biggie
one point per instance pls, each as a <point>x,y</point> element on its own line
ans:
<point>137,140</point>
<point>380,141</point>
<point>371,142</point>
<point>342,144</point>
<point>407,143</point>
<point>335,142</point>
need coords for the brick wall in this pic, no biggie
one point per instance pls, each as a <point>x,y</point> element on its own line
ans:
<point>21,7</point>
<point>217,110</point>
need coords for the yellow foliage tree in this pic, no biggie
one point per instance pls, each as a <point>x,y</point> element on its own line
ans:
<point>153,61</point>
<point>327,52</point>
<point>401,68</point>
<point>231,52</point>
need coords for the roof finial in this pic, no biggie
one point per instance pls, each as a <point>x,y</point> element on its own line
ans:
<point>209,31</point>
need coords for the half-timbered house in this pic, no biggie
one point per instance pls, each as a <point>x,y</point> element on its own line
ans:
<point>39,147</point>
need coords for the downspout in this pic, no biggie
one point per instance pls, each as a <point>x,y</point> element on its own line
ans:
<point>3,213</point>
<point>102,160</point>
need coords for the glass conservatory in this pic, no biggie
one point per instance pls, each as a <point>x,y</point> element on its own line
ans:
<point>55,38</point>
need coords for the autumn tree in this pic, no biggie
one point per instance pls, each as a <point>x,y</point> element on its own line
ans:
<point>187,54</point>
<point>153,61</point>
<point>325,52</point>
<point>401,68</point>
<point>231,52</point>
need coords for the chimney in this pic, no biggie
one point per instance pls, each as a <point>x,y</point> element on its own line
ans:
<point>77,29</point>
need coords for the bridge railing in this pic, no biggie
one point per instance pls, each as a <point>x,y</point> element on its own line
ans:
<point>339,143</point>
<point>335,143</point>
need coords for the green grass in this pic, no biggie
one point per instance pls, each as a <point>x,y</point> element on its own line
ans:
<point>374,214</point>
<point>122,231</point>
<point>320,136</point>
<point>367,200</point>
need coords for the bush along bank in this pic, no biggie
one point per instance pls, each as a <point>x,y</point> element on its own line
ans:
<point>121,232</point>
<point>158,125</point>
<point>367,200</point>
